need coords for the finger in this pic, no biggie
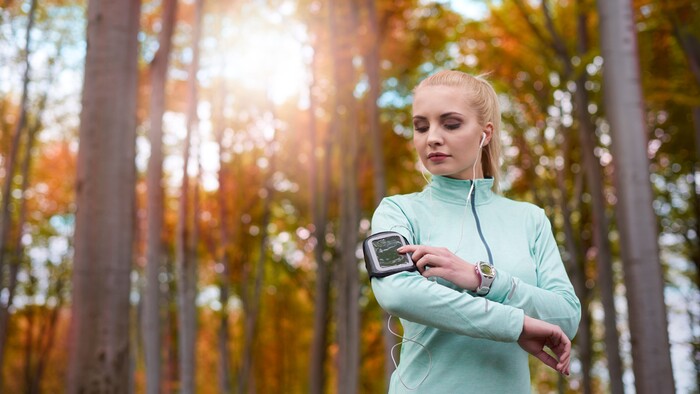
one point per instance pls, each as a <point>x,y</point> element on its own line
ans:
<point>563,364</point>
<point>563,353</point>
<point>433,271</point>
<point>430,260</point>
<point>547,359</point>
<point>423,251</point>
<point>565,360</point>
<point>563,368</point>
<point>407,248</point>
<point>563,347</point>
<point>417,251</point>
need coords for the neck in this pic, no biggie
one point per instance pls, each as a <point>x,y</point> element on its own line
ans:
<point>469,174</point>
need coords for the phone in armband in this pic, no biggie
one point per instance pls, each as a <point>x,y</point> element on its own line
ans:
<point>381,257</point>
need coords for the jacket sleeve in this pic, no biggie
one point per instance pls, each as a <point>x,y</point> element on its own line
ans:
<point>552,299</point>
<point>410,296</point>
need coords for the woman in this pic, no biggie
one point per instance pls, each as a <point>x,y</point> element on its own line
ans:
<point>491,286</point>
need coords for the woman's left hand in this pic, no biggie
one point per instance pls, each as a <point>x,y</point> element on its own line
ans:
<point>440,262</point>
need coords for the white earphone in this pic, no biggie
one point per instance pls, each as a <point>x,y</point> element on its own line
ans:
<point>483,138</point>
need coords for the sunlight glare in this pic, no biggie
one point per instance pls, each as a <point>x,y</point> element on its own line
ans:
<point>267,53</point>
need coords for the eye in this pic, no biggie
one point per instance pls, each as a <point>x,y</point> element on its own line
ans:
<point>420,127</point>
<point>452,126</point>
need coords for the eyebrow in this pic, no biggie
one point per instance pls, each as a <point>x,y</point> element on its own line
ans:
<point>443,116</point>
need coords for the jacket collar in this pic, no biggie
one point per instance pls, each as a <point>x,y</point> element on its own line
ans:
<point>455,190</point>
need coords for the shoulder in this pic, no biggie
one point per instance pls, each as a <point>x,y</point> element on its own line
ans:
<point>394,211</point>
<point>509,203</point>
<point>526,211</point>
<point>399,201</point>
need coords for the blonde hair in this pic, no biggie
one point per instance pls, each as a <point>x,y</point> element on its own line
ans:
<point>483,99</point>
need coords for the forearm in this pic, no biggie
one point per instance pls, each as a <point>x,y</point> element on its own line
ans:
<point>412,297</point>
<point>556,304</point>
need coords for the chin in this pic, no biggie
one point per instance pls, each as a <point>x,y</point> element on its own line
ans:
<point>441,172</point>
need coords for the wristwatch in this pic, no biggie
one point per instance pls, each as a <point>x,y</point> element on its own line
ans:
<point>487,273</point>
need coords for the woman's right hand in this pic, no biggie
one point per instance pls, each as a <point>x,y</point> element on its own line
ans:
<point>537,335</point>
<point>443,264</point>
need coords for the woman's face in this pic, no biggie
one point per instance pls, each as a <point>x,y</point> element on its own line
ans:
<point>447,132</point>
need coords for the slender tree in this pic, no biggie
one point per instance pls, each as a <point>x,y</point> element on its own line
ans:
<point>224,277</point>
<point>594,180</point>
<point>319,179</point>
<point>154,203</point>
<point>574,264</point>
<point>104,232</point>
<point>252,308</point>
<point>224,250</point>
<point>375,132</point>
<point>636,220</point>
<point>185,250</point>
<point>690,46</point>
<point>347,279</point>
<point>592,170</point>
<point>5,213</point>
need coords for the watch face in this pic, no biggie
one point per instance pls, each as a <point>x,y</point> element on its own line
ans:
<point>486,269</point>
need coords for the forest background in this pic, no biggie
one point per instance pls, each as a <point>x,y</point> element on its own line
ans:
<point>232,154</point>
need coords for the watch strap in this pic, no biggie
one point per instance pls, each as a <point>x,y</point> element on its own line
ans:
<point>485,280</point>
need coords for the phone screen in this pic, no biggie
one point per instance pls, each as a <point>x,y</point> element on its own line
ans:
<point>386,251</point>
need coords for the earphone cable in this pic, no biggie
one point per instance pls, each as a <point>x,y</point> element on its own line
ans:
<point>405,340</point>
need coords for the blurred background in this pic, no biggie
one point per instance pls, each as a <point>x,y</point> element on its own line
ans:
<point>197,227</point>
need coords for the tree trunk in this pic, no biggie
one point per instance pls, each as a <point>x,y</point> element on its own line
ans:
<point>5,214</point>
<point>636,220</point>
<point>224,284</point>
<point>186,265</point>
<point>171,344</point>
<point>605,278</point>
<point>319,208</point>
<point>6,217</point>
<point>154,203</point>
<point>575,267</point>
<point>252,309</point>
<point>594,180</point>
<point>375,132</point>
<point>348,276</point>
<point>104,232</point>
<point>48,332</point>
<point>32,384</point>
<point>29,345</point>
<point>45,341</point>
<point>223,251</point>
<point>696,200</point>
<point>691,51</point>
<point>192,259</point>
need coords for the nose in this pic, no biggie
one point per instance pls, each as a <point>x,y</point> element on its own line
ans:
<point>434,137</point>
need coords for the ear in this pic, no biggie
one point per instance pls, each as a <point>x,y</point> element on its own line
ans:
<point>488,132</point>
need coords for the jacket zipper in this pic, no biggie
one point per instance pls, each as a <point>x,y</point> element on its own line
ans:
<point>478,227</point>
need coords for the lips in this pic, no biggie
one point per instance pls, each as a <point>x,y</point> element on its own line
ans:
<point>437,156</point>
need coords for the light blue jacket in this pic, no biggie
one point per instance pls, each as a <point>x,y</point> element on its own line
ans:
<point>472,339</point>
